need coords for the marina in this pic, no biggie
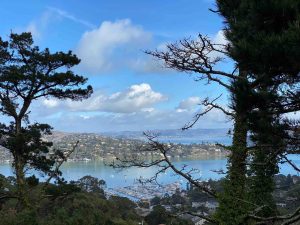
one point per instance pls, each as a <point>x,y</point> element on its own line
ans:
<point>145,192</point>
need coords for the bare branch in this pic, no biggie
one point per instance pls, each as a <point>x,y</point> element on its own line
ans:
<point>291,163</point>
<point>287,219</point>
<point>163,164</point>
<point>207,218</point>
<point>7,197</point>
<point>210,105</point>
<point>56,170</point>
<point>197,56</point>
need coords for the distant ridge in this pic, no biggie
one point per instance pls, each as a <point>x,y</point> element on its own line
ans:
<point>178,136</point>
<point>190,136</point>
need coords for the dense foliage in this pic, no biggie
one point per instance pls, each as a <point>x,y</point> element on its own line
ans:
<point>264,42</point>
<point>27,74</point>
<point>67,203</point>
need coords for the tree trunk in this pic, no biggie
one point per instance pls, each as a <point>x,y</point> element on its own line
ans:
<point>237,159</point>
<point>233,201</point>
<point>21,183</point>
<point>267,133</point>
<point>19,164</point>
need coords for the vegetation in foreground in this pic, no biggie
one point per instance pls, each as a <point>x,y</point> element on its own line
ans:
<point>79,202</point>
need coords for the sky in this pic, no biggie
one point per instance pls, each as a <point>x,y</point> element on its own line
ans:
<point>132,91</point>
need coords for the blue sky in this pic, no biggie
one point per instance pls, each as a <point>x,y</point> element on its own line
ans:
<point>132,91</point>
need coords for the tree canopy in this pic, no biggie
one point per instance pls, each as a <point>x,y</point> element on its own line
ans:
<point>27,74</point>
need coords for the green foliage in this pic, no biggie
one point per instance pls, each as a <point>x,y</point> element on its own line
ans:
<point>155,201</point>
<point>32,181</point>
<point>74,209</point>
<point>84,209</point>
<point>263,34</point>
<point>264,39</point>
<point>66,203</point>
<point>159,215</point>
<point>231,210</point>
<point>11,217</point>
<point>124,206</point>
<point>30,144</point>
<point>91,184</point>
<point>26,74</point>
<point>62,189</point>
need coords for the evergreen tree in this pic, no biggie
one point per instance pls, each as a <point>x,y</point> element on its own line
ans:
<point>27,74</point>
<point>264,37</point>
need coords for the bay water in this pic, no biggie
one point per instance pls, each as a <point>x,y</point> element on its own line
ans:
<point>206,168</point>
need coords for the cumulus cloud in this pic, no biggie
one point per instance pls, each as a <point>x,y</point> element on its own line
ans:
<point>220,38</point>
<point>139,121</point>
<point>188,104</point>
<point>50,103</point>
<point>114,45</point>
<point>109,45</point>
<point>138,97</point>
<point>130,109</point>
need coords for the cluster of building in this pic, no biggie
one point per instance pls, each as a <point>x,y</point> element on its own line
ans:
<point>146,192</point>
<point>143,194</point>
<point>97,147</point>
<point>94,147</point>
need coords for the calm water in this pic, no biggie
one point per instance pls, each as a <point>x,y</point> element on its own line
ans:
<point>225,140</point>
<point>117,178</point>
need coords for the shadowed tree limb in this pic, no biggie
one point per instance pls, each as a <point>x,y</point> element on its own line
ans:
<point>196,56</point>
<point>210,105</point>
<point>163,163</point>
<point>56,171</point>
<point>287,219</point>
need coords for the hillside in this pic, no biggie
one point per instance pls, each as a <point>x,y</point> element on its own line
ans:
<point>94,146</point>
<point>111,145</point>
<point>179,136</point>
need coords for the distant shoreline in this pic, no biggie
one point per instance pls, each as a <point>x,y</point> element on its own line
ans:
<point>202,157</point>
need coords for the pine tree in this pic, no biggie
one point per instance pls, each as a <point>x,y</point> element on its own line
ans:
<point>264,40</point>
<point>27,74</point>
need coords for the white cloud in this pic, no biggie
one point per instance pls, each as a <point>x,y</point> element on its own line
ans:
<point>109,46</point>
<point>131,109</point>
<point>140,121</point>
<point>147,64</point>
<point>85,117</point>
<point>220,38</point>
<point>293,115</point>
<point>188,104</point>
<point>38,26</point>
<point>139,97</point>
<point>50,103</point>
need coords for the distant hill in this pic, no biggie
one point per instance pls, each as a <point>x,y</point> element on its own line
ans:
<point>178,136</point>
<point>191,143</point>
<point>190,136</point>
<point>57,136</point>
